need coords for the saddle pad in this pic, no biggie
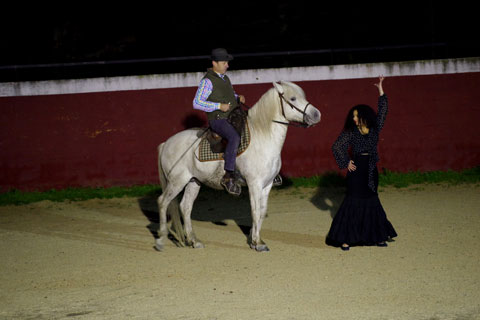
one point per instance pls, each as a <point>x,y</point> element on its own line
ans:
<point>205,153</point>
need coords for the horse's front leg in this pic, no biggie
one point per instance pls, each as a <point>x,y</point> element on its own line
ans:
<point>258,203</point>
<point>264,205</point>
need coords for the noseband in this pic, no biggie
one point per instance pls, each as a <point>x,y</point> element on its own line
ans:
<point>303,124</point>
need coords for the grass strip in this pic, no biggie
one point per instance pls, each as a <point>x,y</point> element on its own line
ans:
<point>329,179</point>
<point>396,179</point>
<point>401,180</point>
<point>17,197</point>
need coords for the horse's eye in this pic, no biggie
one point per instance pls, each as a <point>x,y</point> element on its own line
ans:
<point>293,98</point>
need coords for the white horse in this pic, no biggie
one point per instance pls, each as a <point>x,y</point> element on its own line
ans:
<point>179,167</point>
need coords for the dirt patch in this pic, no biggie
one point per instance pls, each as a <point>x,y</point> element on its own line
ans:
<point>95,260</point>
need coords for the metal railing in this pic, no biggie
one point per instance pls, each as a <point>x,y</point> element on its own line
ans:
<point>237,55</point>
<point>252,60</point>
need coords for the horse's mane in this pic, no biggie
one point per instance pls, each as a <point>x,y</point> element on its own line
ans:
<point>260,116</point>
<point>268,109</point>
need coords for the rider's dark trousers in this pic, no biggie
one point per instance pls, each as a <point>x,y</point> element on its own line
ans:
<point>225,130</point>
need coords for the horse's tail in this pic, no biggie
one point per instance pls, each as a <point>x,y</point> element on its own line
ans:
<point>173,208</point>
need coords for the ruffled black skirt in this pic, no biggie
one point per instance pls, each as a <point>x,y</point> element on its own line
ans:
<point>360,220</point>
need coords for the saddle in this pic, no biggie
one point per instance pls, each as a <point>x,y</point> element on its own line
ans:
<point>217,143</point>
<point>213,145</point>
<point>237,119</point>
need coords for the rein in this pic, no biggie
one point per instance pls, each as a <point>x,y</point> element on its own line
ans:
<point>303,124</point>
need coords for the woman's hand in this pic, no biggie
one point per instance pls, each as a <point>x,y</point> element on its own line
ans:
<point>351,167</point>
<point>379,85</point>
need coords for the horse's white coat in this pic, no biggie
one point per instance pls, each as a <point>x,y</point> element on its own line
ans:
<point>259,164</point>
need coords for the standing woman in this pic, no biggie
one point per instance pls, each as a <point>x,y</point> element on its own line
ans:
<point>361,220</point>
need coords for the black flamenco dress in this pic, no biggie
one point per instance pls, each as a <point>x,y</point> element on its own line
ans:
<point>361,219</point>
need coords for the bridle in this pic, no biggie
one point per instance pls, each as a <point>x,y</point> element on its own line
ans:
<point>303,124</point>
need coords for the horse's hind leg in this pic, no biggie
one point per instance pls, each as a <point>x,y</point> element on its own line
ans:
<point>186,205</point>
<point>170,192</point>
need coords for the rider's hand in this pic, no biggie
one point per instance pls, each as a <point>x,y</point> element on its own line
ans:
<point>241,99</point>
<point>225,107</point>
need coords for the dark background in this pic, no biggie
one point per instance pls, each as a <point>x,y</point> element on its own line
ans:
<point>78,40</point>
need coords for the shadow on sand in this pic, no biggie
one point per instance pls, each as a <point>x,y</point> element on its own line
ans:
<point>218,207</point>
<point>211,205</point>
<point>329,193</point>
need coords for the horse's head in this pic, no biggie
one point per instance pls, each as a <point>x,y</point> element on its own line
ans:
<point>294,105</point>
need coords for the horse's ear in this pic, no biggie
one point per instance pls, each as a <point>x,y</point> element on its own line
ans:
<point>278,87</point>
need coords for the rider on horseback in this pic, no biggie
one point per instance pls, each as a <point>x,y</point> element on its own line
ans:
<point>215,96</point>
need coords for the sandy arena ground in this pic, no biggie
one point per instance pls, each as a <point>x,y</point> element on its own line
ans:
<point>95,260</point>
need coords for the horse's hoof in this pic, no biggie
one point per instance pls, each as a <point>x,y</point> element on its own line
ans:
<point>260,247</point>
<point>158,245</point>
<point>198,245</point>
<point>194,244</point>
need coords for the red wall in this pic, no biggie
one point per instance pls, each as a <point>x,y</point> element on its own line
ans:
<point>110,138</point>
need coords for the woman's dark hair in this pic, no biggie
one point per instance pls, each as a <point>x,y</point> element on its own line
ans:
<point>365,115</point>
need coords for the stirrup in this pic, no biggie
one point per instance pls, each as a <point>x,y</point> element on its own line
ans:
<point>239,179</point>
<point>277,181</point>
<point>231,186</point>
